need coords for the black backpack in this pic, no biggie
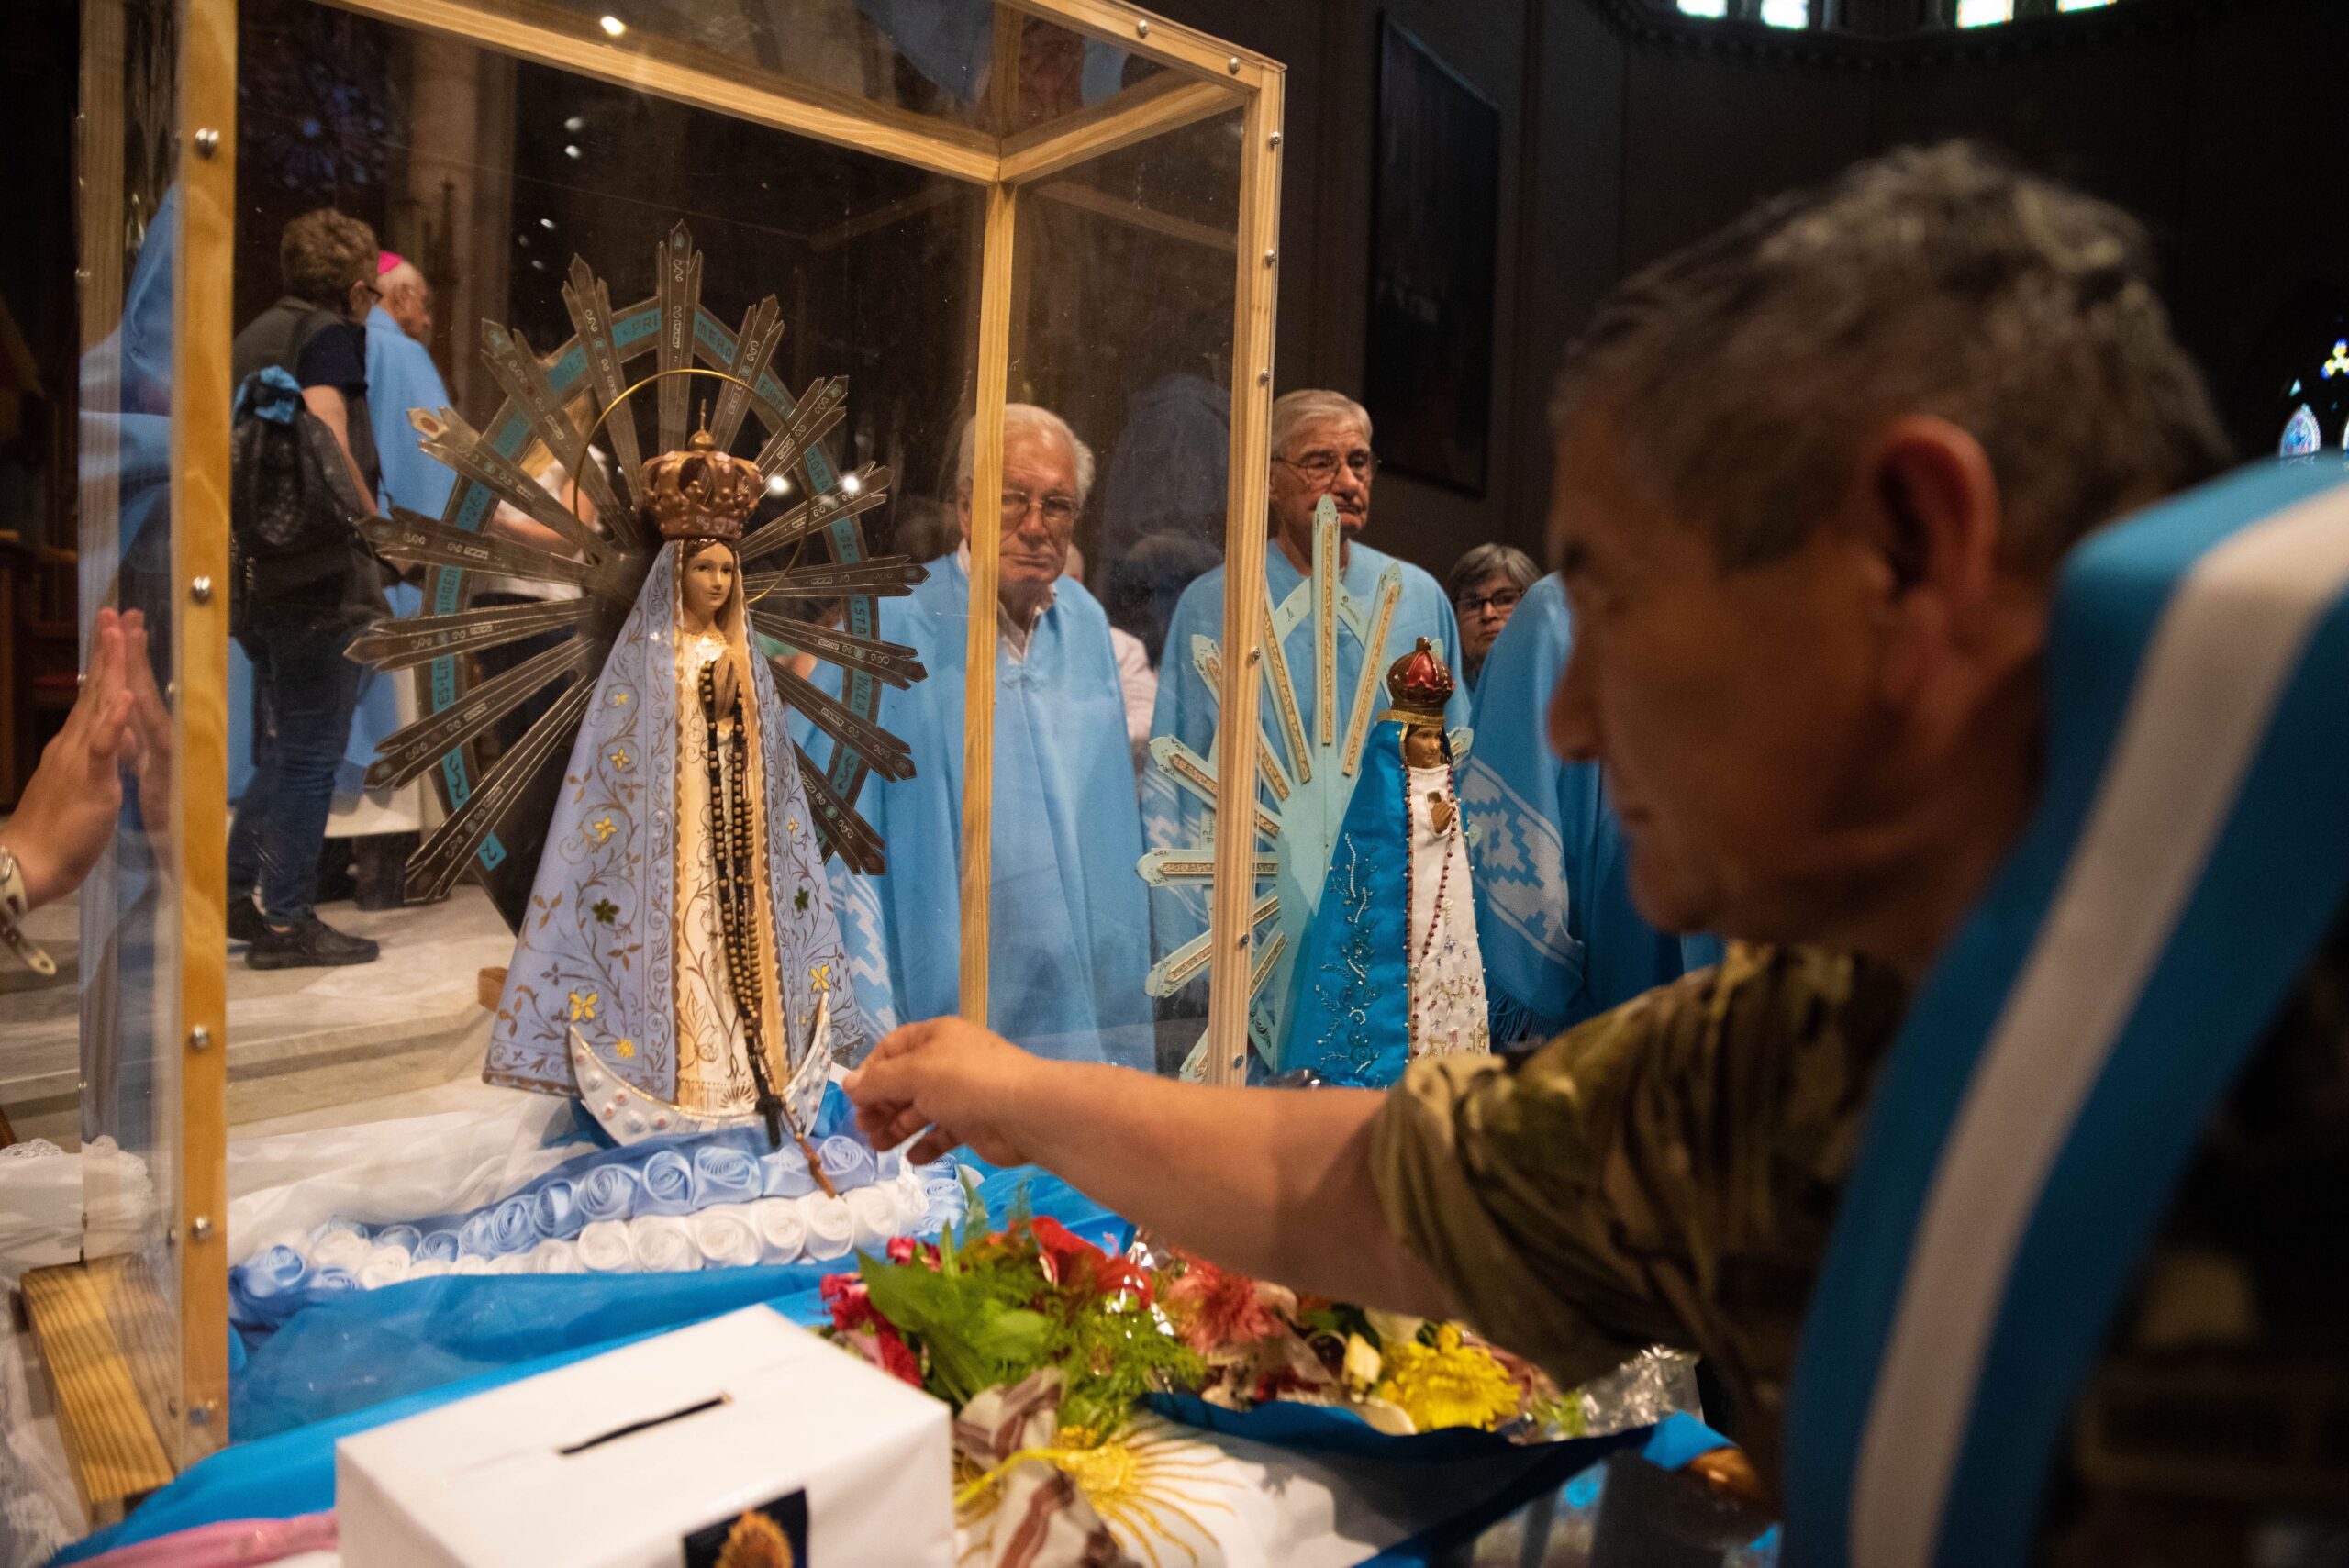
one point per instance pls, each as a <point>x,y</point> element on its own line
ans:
<point>294,508</point>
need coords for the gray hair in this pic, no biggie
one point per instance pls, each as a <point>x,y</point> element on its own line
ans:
<point>1745,372</point>
<point>1027,419</point>
<point>1482,562</point>
<point>1291,410</point>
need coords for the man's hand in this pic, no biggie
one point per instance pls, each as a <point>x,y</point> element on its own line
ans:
<point>954,1078</point>
<point>68,810</point>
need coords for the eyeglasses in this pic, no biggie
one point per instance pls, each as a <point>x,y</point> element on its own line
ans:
<point>1059,511</point>
<point>1501,603</point>
<point>1322,468</point>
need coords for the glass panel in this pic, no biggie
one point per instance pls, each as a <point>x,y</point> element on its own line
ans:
<point>935,63</point>
<point>1063,73</point>
<point>918,60</point>
<point>115,941</point>
<point>549,775</point>
<point>1122,321</point>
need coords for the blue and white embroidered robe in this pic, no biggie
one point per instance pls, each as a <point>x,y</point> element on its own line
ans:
<point>603,946</point>
<point>1388,971</point>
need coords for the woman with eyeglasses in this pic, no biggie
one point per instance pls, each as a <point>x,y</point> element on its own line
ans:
<point>1484,586</point>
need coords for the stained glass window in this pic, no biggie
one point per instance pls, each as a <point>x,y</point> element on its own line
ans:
<point>1786,13</point>
<point>2301,435</point>
<point>1983,12</point>
<point>1704,7</point>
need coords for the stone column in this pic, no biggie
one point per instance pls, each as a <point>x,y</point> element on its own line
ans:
<point>459,177</point>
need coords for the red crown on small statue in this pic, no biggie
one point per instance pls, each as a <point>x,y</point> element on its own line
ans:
<point>701,492</point>
<point>1419,685</point>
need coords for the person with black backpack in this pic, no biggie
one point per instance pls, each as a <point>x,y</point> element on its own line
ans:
<point>302,478</point>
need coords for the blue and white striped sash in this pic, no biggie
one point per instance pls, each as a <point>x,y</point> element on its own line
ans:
<point>2048,1090</point>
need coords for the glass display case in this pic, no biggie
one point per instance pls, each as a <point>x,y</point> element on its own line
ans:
<point>881,235</point>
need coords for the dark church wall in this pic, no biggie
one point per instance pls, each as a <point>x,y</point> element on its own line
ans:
<point>1628,132</point>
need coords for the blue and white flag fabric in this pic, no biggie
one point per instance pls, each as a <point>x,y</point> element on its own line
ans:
<point>1560,938</point>
<point>2051,1085</point>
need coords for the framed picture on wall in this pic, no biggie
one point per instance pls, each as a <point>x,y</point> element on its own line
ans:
<point>1435,214</point>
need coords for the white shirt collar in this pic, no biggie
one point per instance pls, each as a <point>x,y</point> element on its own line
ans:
<point>1016,638</point>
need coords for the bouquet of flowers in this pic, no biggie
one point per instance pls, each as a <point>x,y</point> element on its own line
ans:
<point>1262,1342</point>
<point>1046,1348</point>
<point>958,1316</point>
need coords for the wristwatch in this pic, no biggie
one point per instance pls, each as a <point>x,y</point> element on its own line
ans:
<point>14,906</point>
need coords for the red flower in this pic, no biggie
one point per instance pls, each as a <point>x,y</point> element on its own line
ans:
<point>896,1358</point>
<point>847,1300</point>
<point>1075,1264</point>
<point>1218,1309</point>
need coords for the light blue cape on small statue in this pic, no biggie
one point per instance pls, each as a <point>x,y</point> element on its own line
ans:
<point>1349,1016</point>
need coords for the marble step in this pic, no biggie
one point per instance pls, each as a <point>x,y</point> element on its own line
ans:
<point>298,1039</point>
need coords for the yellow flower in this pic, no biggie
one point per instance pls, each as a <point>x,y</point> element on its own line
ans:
<point>604,830</point>
<point>620,756</point>
<point>582,1007</point>
<point>619,699</point>
<point>1448,1384</point>
<point>625,1049</point>
<point>821,977</point>
<point>1362,1365</point>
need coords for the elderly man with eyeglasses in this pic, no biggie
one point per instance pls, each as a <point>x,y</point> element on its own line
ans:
<point>1321,448</point>
<point>1070,921</point>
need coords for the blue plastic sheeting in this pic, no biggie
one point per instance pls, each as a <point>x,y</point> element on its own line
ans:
<point>357,1360</point>
<point>1323,1429</point>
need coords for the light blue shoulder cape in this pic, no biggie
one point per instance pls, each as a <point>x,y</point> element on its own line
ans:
<point>598,948</point>
<point>2050,1086</point>
<point>1068,923</point>
<point>1562,940</point>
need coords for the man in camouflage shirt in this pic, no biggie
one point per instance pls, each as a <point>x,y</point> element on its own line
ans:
<point>1815,478</point>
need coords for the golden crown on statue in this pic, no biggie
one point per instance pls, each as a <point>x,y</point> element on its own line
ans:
<point>701,492</point>
<point>1418,684</point>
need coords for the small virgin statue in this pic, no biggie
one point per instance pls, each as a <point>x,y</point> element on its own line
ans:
<point>680,962</point>
<point>1390,969</point>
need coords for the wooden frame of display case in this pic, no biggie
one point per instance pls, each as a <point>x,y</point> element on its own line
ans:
<point>1201,77</point>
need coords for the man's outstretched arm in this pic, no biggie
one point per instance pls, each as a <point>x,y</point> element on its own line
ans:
<point>1272,1183</point>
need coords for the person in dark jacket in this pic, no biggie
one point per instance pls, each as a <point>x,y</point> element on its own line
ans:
<point>297,623</point>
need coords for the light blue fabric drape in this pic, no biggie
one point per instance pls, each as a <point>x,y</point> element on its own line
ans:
<point>1560,937</point>
<point>1069,925</point>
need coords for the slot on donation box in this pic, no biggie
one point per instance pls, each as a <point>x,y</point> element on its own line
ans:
<point>745,1440</point>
